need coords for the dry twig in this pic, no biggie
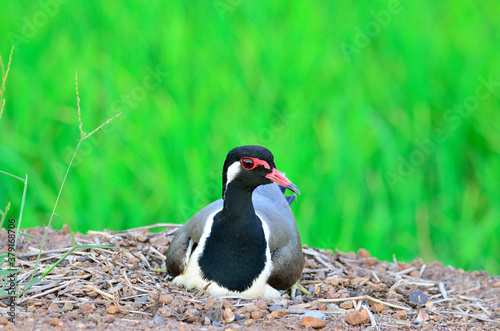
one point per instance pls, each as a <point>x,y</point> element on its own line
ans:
<point>5,74</point>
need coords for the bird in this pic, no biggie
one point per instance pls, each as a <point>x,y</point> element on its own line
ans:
<point>246,243</point>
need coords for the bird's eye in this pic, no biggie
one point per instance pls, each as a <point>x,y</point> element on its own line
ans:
<point>247,163</point>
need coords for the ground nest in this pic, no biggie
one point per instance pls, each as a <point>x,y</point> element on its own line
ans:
<point>125,287</point>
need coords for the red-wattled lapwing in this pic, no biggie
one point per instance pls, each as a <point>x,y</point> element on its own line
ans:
<point>247,243</point>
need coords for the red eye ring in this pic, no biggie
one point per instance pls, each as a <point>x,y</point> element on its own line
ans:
<point>250,163</point>
<point>247,163</point>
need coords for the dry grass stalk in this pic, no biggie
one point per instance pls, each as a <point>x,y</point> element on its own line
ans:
<point>83,136</point>
<point>5,73</point>
<point>104,294</point>
<point>365,297</point>
<point>372,318</point>
<point>4,214</point>
<point>443,290</point>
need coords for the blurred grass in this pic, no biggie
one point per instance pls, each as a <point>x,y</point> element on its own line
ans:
<point>238,72</point>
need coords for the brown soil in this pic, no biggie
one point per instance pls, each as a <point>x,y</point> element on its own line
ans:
<point>124,288</point>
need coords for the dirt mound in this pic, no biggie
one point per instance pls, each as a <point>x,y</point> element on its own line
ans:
<point>125,288</point>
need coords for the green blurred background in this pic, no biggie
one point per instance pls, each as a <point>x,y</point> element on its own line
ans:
<point>385,115</point>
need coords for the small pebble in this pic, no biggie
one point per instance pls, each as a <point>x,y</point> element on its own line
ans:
<point>422,316</point>
<point>55,322</point>
<point>363,253</point>
<point>175,303</point>
<point>274,307</point>
<point>110,318</point>
<point>159,320</point>
<point>280,313</point>
<point>400,314</point>
<point>133,260</point>
<point>88,308</point>
<point>312,322</point>
<point>241,310</point>
<point>74,314</point>
<point>418,298</point>
<point>141,299</point>
<point>239,317</point>
<point>429,304</point>
<point>80,325</point>
<point>227,304</point>
<point>159,241</point>
<point>228,315</point>
<point>53,308</point>
<point>385,312</point>
<point>67,307</point>
<point>65,229</point>
<point>354,317</point>
<point>332,306</point>
<point>346,305</point>
<point>418,262</point>
<point>249,322</point>
<point>213,308</point>
<point>3,320</point>
<point>404,266</point>
<point>112,309</point>
<point>257,314</point>
<point>193,315</point>
<point>261,304</point>
<point>378,307</point>
<point>251,308</point>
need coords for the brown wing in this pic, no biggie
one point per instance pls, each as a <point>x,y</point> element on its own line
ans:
<point>177,252</point>
<point>284,240</point>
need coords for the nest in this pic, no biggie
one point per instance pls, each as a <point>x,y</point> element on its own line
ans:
<point>126,287</point>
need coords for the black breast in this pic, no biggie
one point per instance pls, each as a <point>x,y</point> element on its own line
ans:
<point>234,254</point>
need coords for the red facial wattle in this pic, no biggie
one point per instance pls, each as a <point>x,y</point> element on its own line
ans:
<point>280,179</point>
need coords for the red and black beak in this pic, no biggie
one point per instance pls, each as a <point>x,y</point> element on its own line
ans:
<point>280,179</point>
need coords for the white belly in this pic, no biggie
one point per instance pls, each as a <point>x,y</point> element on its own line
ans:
<point>192,276</point>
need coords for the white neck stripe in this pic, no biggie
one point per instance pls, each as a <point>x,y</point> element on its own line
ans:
<point>232,171</point>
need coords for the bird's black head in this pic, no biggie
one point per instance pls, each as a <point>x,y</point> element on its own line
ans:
<point>251,166</point>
